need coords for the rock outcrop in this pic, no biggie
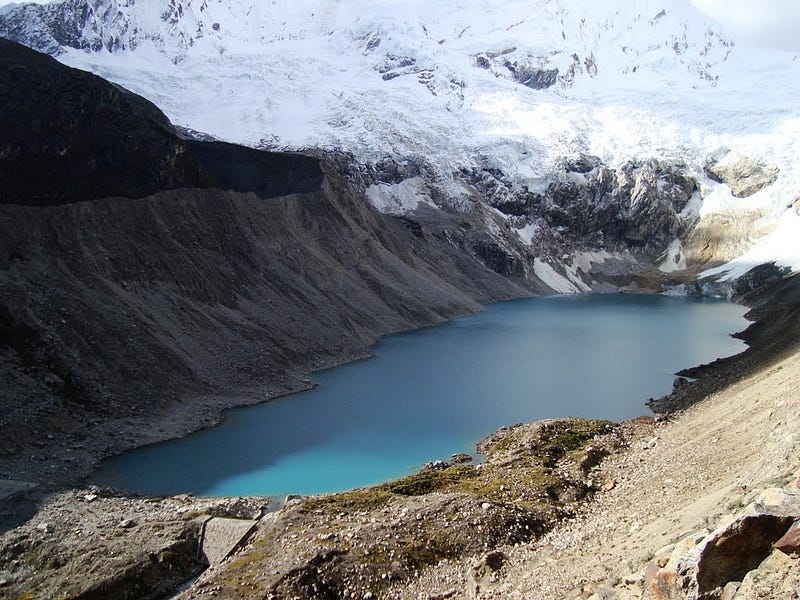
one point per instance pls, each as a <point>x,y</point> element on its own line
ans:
<point>715,565</point>
<point>744,175</point>
<point>69,136</point>
<point>590,205</point>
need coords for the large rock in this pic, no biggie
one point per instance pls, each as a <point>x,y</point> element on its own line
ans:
<point>744,175</point>
<point>790,542</point>
<point>778,576</point>
<point>729,553</point>
<point>532,76</point>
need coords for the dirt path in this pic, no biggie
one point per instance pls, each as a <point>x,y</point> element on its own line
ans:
<point>691,473</point>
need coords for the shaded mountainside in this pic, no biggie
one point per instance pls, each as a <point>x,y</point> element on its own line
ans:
<point>167,306</point>
<point>67,136</point>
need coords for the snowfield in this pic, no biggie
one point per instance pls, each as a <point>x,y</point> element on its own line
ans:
<point>464,83</point>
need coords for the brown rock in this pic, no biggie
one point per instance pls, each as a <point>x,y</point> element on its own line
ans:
<point>790,542</point>
<point>731,551</point>
<point>665,585</point>
<point>745,176</point>
<point>776,577</point>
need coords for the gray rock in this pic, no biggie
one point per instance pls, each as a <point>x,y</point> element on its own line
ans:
<point>531,76</point>
<point>635,206</point>
<point>460,458</point>
<point>745,176</point>
<point>758,277</point>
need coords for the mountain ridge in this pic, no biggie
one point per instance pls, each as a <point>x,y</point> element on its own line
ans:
<point>507,90</point>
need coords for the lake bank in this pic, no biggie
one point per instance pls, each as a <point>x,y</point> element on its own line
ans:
<point>431,393</point>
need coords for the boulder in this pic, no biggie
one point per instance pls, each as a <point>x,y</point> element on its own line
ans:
<point>790,542</point>
<point>744,175</point>
<point>703,568</point>
<point>777,576</point>
<point>729,553</point>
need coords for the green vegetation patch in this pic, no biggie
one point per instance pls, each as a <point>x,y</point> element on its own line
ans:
<point>432,480</point>
<point>519,469</point>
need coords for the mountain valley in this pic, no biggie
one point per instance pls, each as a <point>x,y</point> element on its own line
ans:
<point>326,173</point>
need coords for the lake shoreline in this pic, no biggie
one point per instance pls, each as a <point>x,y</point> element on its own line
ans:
<point>200,413</point>
<point>445,577</point>
<point>592,356</point>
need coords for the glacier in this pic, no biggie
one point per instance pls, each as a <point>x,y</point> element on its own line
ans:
<point>501,86</point>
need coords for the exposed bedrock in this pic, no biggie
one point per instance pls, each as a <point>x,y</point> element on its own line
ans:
<point>637,206</point>
<point>67,136</point>
<point>744,175</point>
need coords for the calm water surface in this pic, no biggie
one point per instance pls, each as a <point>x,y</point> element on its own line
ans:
<point>430,393</point>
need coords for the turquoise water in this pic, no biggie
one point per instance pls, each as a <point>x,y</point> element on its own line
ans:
<point>430,393</point>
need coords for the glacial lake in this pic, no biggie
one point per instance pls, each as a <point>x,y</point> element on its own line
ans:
<point>430,393</point>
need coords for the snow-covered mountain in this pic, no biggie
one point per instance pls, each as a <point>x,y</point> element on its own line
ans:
<point>480,101</point>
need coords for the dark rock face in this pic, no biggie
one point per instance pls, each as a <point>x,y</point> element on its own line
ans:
<point>67,136</point>
<point>635,206</point>
<point>531,76</point>
<point>742,174</point>
<point>390,170</point>
<point>499,259</point>
<point>48,27</point>
<point>758,277</point>
<point>267,174</point>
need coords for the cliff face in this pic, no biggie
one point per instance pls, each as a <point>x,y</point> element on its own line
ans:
<point>68,136</point>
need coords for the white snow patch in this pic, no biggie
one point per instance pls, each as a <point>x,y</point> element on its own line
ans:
<point>527,233</point>
<point>575,278</point>
<point>552,278</point>
<point>675,259</point>
<point>693,207</point>
<point>781,246</point>
<point>399,198</point>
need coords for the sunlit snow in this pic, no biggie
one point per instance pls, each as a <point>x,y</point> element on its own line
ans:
<point>650,79</point>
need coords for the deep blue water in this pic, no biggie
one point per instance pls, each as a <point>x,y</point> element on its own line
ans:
<point>430,393</point>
